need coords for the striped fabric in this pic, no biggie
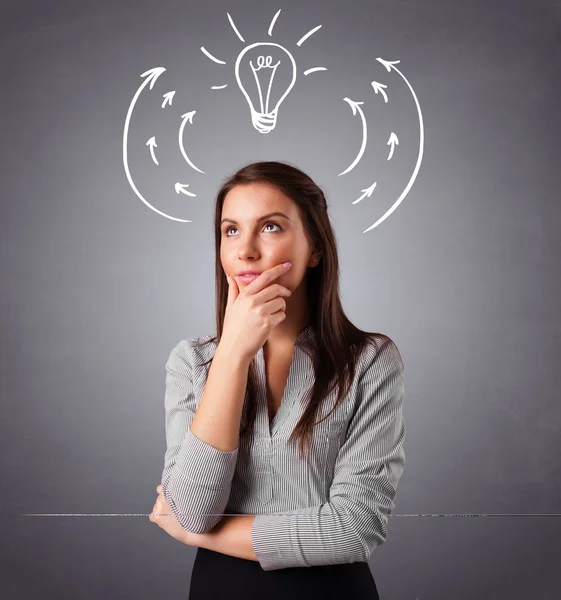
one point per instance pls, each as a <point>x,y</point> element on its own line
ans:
<point>332,508</point>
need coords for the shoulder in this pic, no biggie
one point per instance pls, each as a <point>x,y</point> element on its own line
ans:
<point>381,355</point>
<point>189,351</point>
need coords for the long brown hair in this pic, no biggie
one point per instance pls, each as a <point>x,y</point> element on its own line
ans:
<point>338,343</point>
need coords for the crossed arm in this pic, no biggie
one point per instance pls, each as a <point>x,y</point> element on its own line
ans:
<point>231,535</point>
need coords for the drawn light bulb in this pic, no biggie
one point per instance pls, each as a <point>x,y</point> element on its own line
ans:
<point>258,79</point>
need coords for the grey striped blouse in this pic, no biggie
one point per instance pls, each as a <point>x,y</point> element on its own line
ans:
<point>331,509</point>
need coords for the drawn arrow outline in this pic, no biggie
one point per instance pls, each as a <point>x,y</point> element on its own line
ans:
<point>379,88</point>
<point>356,106</point>
<point>389,66</point>
<point>168,97</point>
<point>367,192</point>
<point>187,117</point>
<point>151,77</point>
<point>152,143</point>
<point>394,141</point>
<point>182,188</point>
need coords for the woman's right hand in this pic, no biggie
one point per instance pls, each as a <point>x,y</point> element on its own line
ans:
<point>252,313</point>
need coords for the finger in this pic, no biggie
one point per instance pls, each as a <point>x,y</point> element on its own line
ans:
<point>233,290</point>
<point>267,277</point>
<point>158,507</point>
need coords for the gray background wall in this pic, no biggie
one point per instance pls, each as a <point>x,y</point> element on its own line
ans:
<point>97,288</point>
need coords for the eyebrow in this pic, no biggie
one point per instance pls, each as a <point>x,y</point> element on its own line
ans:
<point>260,218</point>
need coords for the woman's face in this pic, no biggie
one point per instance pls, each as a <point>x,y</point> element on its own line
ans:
<point>253,242</point>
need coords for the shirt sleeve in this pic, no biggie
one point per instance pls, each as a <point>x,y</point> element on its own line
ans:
<point>368,468</point>
<point>197,477</point>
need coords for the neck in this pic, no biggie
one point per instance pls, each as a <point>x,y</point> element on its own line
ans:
<point>297,318</point>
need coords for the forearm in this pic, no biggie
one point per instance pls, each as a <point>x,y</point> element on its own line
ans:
<point>197,481</point>
<point>217,419</point>
<point>232,536</point>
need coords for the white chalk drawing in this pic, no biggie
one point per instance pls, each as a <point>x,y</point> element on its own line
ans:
<point>367,193</point>
<point>152,143</point>
<point>263,110</point>
<point>168,98</point>
<point>356,107</point>
<point>312,69</point>
<point>186,117</point>
<point>151,77</point>
<point>181,188</point>
<point>389,66</point>
<point>255,69</point>
<point>265,118</point>
<point>394,141</point>
<point>379,88</point>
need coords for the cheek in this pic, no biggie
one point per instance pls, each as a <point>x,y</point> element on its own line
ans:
<point>294,276</point>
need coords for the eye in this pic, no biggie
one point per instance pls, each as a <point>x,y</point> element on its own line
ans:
<point>228,228</point>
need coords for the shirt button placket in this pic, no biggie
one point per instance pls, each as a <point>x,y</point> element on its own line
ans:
<point>266,492</point>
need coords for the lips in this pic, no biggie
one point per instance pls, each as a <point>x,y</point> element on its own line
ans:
<point>248,272</point>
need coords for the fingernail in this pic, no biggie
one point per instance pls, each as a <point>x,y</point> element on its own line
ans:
<point>287,264</point>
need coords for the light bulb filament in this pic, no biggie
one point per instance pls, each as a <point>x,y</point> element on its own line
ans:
<point>264,62</point>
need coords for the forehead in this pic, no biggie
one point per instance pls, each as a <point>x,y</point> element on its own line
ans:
<point>256,198</point>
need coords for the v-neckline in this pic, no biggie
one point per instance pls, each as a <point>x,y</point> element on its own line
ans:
<point>270,362</point>
<point>269,428</point>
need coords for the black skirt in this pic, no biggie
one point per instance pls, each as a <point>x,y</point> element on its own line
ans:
<point>218,576</point>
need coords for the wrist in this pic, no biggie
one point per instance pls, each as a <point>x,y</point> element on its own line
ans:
<point>197,540</point>
<point>232,355</point>
<point>188,538</point>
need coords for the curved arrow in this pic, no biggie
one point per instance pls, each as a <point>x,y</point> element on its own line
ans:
<point>379,88</point>
<point>182,188</point>
<point>152,143</point>
<point>186,117</point>
<point>393,141</point>
<point>389,66</point>
<point>355,106</point>
<point>367,192</point>
<point>151,77</point>
<point>168,98</point>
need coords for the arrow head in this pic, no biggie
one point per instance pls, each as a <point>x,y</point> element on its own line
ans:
<point>189,116</point>
<point>153,74</point>
<point>387,63</point>
<point>354,105</point>
<point>182,188</point>
<point>152,141</point>
<point>370,189</point>
<point>168,97</point>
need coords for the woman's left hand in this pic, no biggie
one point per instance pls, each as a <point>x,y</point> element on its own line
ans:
<point>164,518</point>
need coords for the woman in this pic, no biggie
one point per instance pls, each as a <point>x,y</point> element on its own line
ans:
<point>287,366</point>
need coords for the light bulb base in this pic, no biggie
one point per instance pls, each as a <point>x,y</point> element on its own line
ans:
<point>263,122</point>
